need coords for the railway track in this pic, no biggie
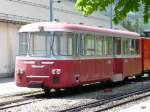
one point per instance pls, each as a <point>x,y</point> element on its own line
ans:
<point>112,101</point>
<point>101,104</point>
<point>19,100</point>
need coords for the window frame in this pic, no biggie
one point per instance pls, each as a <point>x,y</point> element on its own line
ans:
<point>135,52</point>
<point>100,37</point>
<point>106,46</point>
<point>24,53</point>
<point>114,47</point>
<point>58,48</point>
<point>31,53</point>
<point>89,50</point>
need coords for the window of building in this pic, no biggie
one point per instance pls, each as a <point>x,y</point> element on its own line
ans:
<point>72,0</point>
<point>89,49</point>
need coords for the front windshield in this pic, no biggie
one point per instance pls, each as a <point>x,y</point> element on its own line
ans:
<point>35,44</point>
<point>46,44</point>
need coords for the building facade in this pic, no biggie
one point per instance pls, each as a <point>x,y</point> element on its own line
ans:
<point>15,13</point>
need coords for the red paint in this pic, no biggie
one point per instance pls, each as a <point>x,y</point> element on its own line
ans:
<point>146,54</point>
<point>86,71</point>
<point>118,65</point>
<point>83,71</point>
<point>132,66</point>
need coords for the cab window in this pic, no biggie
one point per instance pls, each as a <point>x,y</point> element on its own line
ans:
<point>23,43</point>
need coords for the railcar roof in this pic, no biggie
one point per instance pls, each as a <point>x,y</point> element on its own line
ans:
<point>53,26</point>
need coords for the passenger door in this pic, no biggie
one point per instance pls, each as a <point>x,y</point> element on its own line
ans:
<point>118,60</point>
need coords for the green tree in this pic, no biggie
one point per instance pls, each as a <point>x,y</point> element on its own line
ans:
<point>122,7</point>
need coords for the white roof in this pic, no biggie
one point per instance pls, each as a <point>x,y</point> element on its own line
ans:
<point>53,26</point>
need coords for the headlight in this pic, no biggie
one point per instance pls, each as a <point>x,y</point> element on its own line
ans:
<point>56,71</point>
<point>20,71</point>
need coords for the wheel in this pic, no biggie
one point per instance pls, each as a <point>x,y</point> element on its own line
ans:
<point>46,90</point>
<point>138,76</point>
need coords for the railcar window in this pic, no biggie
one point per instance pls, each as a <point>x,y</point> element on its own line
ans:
<point>131,47</point>
<point>108,46</point>
<point>23,43</point>
<point>89,49</point>
<point>137,48</point>
<point>99,45</point>
<point>117,45</point>
<point>39,44</point>
<point>63,43</point>
<point>134,47</point>
<point>126,46</point>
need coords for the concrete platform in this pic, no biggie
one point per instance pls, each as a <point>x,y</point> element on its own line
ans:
<point>8,87</point>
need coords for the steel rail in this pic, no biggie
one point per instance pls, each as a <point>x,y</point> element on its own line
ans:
<point>18,103</point>
<point>124,100</point>
<point>20,94</point>
<point>110,99</point>
<point>19,100</point>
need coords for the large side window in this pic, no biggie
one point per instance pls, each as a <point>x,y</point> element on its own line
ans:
<point>108,46</point>
<point>89,49</point>
<point>99,45</point>
<point>23,43</point>
<point>117,45</point>
<point>131,46</point>
<point>63,43</point>
<point>134,46</point>
<point>126,46</point>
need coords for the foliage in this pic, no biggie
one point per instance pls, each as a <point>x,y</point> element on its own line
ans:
<point>131,26</point>
<point>134,23</point>
<point>122,7</point>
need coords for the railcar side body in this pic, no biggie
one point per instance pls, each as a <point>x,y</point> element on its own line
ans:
<point>58,55</point>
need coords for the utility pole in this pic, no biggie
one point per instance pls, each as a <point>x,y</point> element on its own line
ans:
<point>51,10</point>
<point>111,15</point>
<point>137,22</point>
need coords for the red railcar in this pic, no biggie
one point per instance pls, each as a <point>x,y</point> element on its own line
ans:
<point>61,55</point>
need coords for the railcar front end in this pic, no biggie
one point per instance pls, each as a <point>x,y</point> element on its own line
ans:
<point>46,60</point>
<point>44,73</point>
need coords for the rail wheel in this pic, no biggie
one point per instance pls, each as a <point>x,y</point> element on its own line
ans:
<point>47,90</point>
<point>138,76</point>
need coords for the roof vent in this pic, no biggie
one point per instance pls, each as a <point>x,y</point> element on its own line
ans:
<point>41,28</point>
